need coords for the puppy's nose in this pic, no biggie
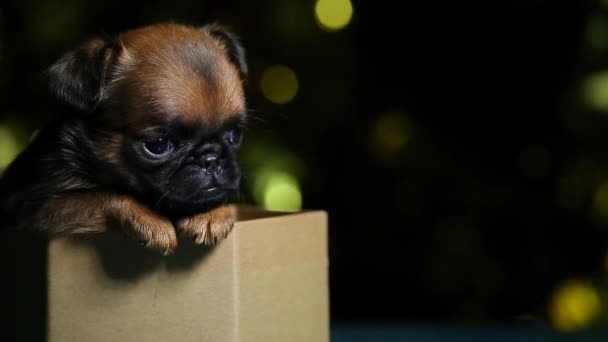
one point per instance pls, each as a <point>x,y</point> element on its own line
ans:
<point>209,163</point>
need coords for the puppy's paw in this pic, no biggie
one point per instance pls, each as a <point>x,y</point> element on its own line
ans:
<point>209,227</point>
<point>155,233</point>
<point>149,228</point>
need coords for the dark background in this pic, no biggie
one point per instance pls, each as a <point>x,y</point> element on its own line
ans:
<point>490,207</point>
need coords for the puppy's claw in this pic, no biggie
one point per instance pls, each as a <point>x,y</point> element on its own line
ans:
<point>201,238</point>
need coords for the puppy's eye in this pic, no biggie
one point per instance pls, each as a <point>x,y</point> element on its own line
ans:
<point>158,147</point>
<point>234,136</point>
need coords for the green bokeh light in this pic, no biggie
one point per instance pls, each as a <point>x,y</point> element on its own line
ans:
<point>279,84</point>
<point>9,146</point>
<point>280,191</point>
<point>276,174</point>
<point>595,90</point>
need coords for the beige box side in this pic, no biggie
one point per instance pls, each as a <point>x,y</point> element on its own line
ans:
<point>134,296</point>
<point>283,286</point>
<point>266,282</point>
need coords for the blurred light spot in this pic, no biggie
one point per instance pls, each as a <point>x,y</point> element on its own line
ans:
<point>9,146</point>
<point>575,305</point>
<point>597,33</point>
<point>390,134</point>
<point>279,84</point>
<point>333,15</point>
<point>595,90</point>
<point>534,161</point>
<point>280,191</point>
<point>273,174</point>
<point>600,201</point>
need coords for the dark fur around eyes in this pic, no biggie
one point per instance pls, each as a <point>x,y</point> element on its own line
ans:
<point>181,132</point>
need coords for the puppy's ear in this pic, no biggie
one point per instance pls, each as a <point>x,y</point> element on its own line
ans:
<point>232,46</point>
<point>79,76</point>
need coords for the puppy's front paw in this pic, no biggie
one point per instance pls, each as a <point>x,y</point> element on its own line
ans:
<point>152,230</point>
<point>155,232</point>
<point>209,227</point>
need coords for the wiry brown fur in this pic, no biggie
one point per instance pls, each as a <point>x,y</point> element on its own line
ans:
<point>168,84</point>
<point>96,212</point>
<point>76,177</point>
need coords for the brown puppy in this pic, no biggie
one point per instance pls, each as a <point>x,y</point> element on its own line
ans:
<point>147,144</point>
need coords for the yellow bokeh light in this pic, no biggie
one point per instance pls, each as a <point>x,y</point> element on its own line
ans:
<point>595,90</point>
<point>280,191</point>
<point>279,84</point>
<point>390,134</point>
<point>600,201</point>
<point>333,15</point>
<point>9,146</point>
<point>575,305</point>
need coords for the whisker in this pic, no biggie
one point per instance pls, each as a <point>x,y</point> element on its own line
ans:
<point>161,197</point>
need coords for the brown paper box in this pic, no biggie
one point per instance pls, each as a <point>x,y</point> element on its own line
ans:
<point>266,282</point>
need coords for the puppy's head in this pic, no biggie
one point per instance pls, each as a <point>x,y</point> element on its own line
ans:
<point>164,109</point>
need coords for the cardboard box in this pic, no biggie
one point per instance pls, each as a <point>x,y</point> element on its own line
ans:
<point>268,281</point>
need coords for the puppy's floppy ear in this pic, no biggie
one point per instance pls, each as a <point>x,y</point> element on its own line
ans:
<point>231,44</point>
<point>78,77</point>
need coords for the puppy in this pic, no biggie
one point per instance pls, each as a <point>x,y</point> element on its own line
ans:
<point>147,144</point>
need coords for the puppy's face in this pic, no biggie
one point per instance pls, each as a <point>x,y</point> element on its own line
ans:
<point>166,111</point>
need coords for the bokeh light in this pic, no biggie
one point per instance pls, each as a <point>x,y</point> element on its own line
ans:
<point>595,91</point>
<point>333,15</point>
<point>575,305</point>
<point>9,146</point>
<point>274,173</point>
<point>390,134</point>
<point>279,84</point>
<point>281,191</point>
<point>274,189</point>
